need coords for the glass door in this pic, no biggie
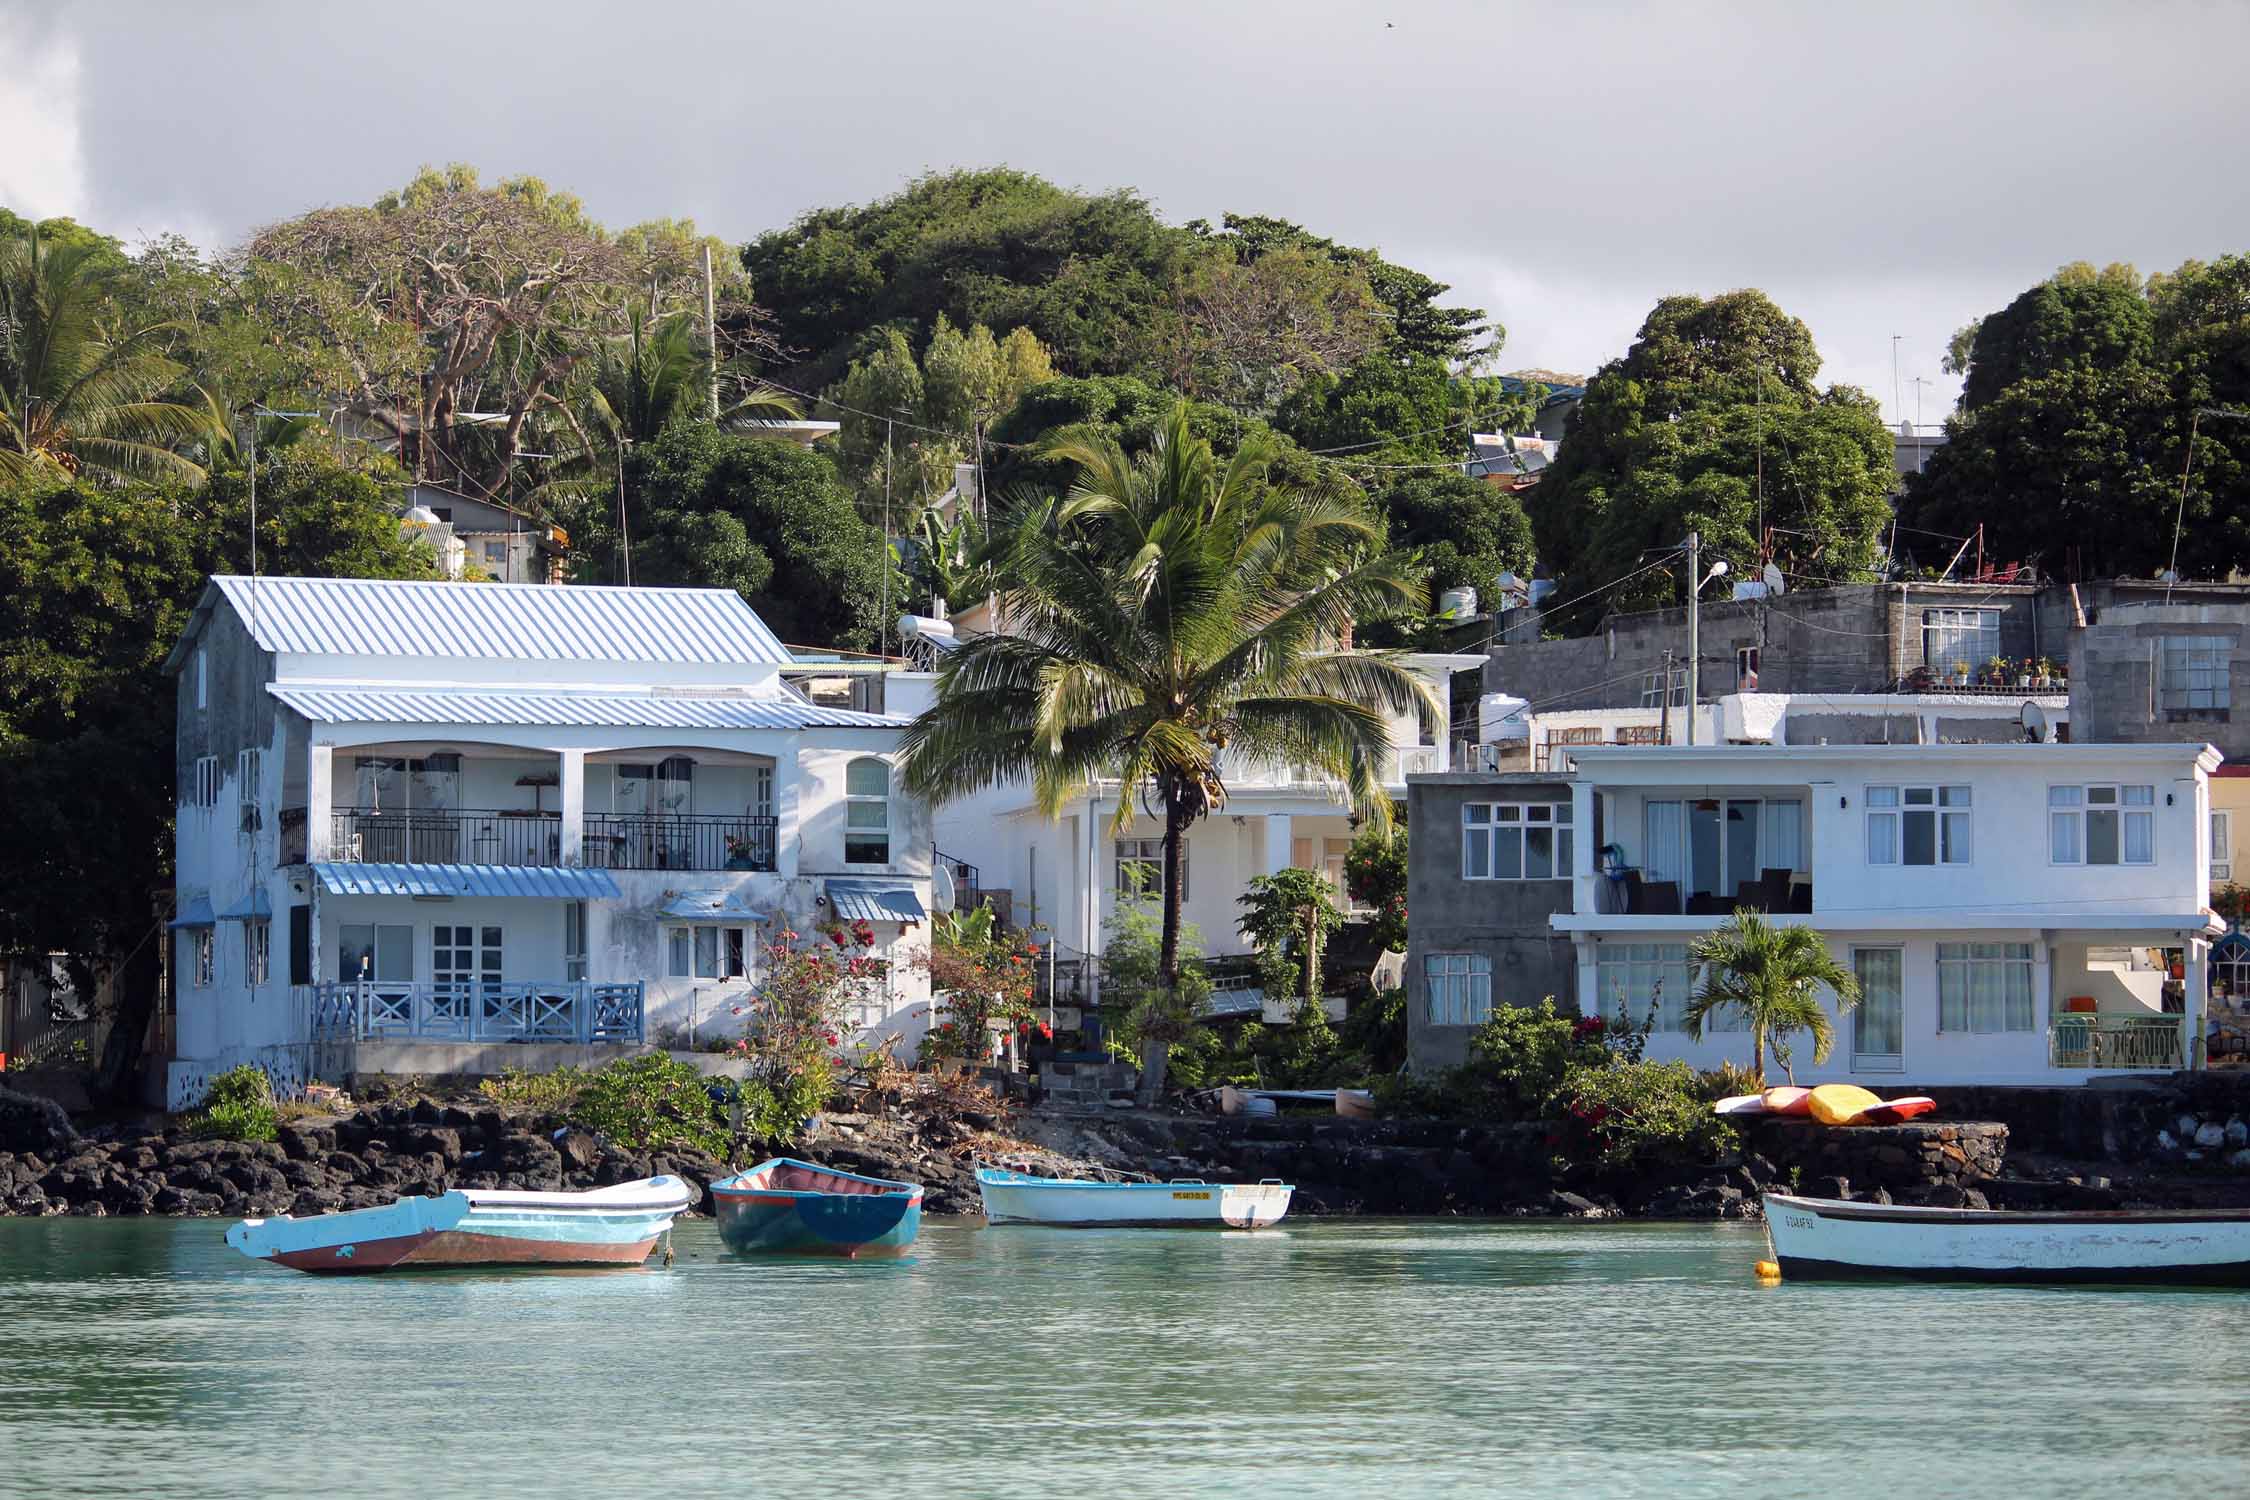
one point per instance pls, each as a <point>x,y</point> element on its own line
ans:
<point>1879,1021</point>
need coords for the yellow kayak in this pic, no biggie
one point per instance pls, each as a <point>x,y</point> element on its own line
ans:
<point>1841,1103</point>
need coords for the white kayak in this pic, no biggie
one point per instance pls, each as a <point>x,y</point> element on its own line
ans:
<point>1020,1198</point>
<point>1818,1239</point>
<point>474,1227</point>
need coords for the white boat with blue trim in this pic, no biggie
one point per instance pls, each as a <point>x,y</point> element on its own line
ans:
<point>1012,1197</point>
<point>612,1226</point>
<point>1827,1239</point>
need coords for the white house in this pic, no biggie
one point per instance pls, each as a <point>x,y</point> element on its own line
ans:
<point>2004,906</point>
<point>1065,873</point>
<point>441,828</point>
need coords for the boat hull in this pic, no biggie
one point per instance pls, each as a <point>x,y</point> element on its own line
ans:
<point>1819,1239</point>
<point>1017,1198</point>
<point>609,1227</point>
<point>796,1208</point>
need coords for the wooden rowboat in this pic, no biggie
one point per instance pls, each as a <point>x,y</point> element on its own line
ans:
<point>804,1209</point>
<point>1021,1198</point>
<point>1822,1239</point>
<point>612,1226</point>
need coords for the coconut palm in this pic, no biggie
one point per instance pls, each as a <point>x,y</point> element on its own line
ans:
<point>1169,620</point>
<point>649,380</point>
<point>73,394</point>
<point>1772,977</point>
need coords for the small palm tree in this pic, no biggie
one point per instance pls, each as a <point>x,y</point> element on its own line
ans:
<point>1772,976</point>
<point>1169,620</point>
<point>650,379</point>
<point>74,395</point>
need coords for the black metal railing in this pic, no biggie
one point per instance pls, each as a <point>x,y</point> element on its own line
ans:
<point>367,836</point>
<point>290,842</point>
<point>680,841</point>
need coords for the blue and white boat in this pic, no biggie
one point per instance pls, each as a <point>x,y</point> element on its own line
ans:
<point>802,1208</point>
<point>612,1226</point>
<point>1012,1197</point>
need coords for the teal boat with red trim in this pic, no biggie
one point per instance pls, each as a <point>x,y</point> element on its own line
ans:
<point>800,1208</point>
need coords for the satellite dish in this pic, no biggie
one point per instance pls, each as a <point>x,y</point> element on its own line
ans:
<point>2034,721</point>
<point>942,892</point>
<point>1772,576</point>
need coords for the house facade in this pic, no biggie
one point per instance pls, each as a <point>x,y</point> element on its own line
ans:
<point>1065,875</point>
<point>2013,912</point>
<point>445,828</point>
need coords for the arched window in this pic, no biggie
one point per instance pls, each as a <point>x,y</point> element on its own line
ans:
<point>867,812</point>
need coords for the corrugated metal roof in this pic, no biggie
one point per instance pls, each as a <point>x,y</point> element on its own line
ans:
<point>708,906</point>
<point>372,705</point>
<point>864,900</point>
<point>194,912</point>
<point>503,621</point>
<point>537,882</point>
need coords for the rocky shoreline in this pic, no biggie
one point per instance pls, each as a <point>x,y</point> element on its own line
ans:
<point>321,1164</point>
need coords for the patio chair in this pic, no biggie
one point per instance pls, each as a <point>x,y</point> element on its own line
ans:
<point>1660,898</point>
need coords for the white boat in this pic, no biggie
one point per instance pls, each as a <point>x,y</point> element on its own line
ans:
<point>612,1226</point>
<point>1819,1239</point>
<point>1020,1198</point>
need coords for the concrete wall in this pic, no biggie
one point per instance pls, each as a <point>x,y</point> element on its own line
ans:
<point>1506,920</point>
<point>2115,660</point>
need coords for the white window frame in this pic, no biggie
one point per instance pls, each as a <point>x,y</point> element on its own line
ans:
<point>1957,964</point>
<point>1637,968</point>
<point>206,789</point>
<point>1952,833</point>
<point>2222,844</point>
<point>2071,813</point>
<point>574,940</point>
<point>202,678</point>
<point>709,952</point>
<point>204,958</point>
<point>1143,854</point>
<point>1978,628</point>
<point>2193,673</point>
<point>246,769</point>
<point>1483,823</point>
<point>257,950</point>
<point>860,801</point>
<point>1652,688</point>
<point>1457,988</point>
<point>1746,668</point>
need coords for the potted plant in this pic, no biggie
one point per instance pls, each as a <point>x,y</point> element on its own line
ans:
<point>739,853</point>
<point>2047,674</point>
<point>1996,671</point>
<point>1961,673</point>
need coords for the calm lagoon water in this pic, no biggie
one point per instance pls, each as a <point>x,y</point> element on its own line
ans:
<point>1384,1359</point>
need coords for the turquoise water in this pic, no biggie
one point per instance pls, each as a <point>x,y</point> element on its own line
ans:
<point>1377,1360</point>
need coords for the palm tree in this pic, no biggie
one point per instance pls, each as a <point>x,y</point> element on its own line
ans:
<point>73,395</point>
<point>652,379</point>
<point>1170,619</point>
<point>1772,976</point>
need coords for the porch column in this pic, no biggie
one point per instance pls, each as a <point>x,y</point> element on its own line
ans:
<point>1279,829</point>
<point>573,807</point>
<point>1582,851</point>
<point>1588,953</point>
<point>320,797</point>
<point>2198,977</point>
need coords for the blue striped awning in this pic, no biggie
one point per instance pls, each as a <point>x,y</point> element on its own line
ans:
<point>194,912</point>
<point>255,907</point>
<point>874,901</point>
<point>708,906</point>
<point>537,882</point>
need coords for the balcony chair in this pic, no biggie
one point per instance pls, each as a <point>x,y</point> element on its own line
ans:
<point>1660,898</point>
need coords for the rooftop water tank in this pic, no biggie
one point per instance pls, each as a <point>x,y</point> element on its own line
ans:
<point>1457,604</point>
<point>1503,716</point>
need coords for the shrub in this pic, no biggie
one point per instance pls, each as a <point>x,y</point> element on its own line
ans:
<point>239,1107</point>
<point>1630,1116</point>
<point>535,1093</point>
<point>1375,874</point>
<point>653,1103</point>
<point>1729,1079</point>
<point>1523,1053</point>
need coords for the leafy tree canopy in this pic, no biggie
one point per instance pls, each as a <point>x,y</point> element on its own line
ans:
<point>1711,421</point>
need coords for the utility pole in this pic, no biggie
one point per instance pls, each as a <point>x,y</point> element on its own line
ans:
<point>624,534</point>
<point>710,330</point>
<point>1694,626</point>
<point>1664,712</point>
<point>883,621</point>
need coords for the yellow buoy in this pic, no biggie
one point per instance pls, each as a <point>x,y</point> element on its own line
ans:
<point>1769,1268</point>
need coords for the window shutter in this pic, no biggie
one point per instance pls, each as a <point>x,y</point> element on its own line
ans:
<point>300,945</point>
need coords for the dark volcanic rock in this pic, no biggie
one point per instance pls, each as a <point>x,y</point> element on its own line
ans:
<point>29,1123</point>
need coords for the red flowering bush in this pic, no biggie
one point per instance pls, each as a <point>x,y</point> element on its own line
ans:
<point>981,980</point>
<point>797,1018</point>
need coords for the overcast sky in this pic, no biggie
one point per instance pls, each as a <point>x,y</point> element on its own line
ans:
<point>1879,171</point>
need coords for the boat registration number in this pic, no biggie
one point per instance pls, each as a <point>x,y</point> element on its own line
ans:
<point>1206,1197</point>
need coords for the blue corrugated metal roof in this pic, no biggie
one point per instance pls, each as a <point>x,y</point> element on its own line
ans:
<point>538,882</point>
<point>709,906</point>
<point>255,907</point>
<point>374,705</point>
<point>194,912</point>
<point>496,621</point>
<point>867,900</point>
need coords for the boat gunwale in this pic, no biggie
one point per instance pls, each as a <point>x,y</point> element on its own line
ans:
<point>737,1186</point>
<point>996,1177</point>
<point>1902,1213</point>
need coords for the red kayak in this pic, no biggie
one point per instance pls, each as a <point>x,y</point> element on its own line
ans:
<point>1896,1111</point>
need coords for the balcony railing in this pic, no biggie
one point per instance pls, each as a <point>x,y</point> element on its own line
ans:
<point>2089,1039</point>
<point>569,1010</point>
<point>290,845</point>
<point>679,841</point>
<point>366,836</point>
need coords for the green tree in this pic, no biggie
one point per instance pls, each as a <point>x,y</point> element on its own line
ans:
<point>1771,977</point>
<point>1169,611</point>
<point>1468,532</point>
<point>1288,917</point>
<point>766,518</point>
<point>1392,410</point>
<point>1375,875</point>
<point>1711,422</point>
<point>75,392</point>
